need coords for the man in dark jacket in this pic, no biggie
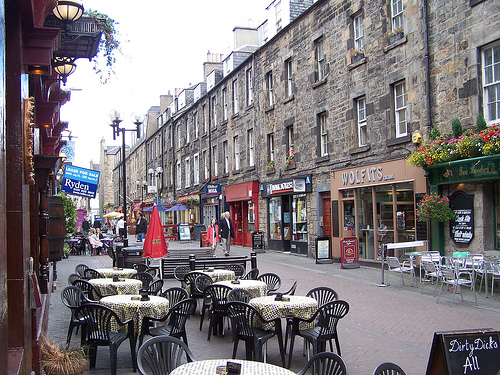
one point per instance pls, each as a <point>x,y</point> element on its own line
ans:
<point>141,227</point>
<point>226,233</point>
<point>85,226</point>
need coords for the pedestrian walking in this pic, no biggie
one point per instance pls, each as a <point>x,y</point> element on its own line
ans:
<point>213,234</point>
<point>85,226</point>
<point>120,226</point>
<point>141,227</point>
<point>226,233</point>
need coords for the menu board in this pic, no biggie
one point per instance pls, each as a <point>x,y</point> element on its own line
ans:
<point>184,232</point>
<point>323,250</point>
<point>474,352</point>
<point>462,228</point>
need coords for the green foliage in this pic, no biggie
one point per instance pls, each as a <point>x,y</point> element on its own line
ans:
<point>456,128</point>
<point>480,122</point>
<point>69,214</point>
<point>434,207</point>
<point>435,133</point>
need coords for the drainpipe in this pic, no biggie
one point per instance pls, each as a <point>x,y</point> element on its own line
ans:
<point>428,119</point>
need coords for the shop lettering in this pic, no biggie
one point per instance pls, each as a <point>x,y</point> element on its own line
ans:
<point>370,174</point>
<point>471,361</point>
<point>284,186</point>
<point>76,185</point>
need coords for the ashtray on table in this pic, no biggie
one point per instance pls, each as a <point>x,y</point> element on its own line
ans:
<point>235,281</point>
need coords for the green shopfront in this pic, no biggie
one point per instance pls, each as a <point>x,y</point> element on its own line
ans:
<point>475,185</point>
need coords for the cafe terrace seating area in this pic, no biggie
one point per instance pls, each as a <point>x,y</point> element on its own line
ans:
<point>111,306</point>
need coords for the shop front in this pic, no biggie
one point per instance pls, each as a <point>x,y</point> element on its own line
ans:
<point>376,204</point>
<point>210,203</point>
<point>243,203</point>
<point>287,201</point>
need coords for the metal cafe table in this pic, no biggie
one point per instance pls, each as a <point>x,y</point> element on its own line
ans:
<point>209,367</point>
<point>130,306</point>
<point>256,288</point>
<point>123,286</point>
<point>125,273</point>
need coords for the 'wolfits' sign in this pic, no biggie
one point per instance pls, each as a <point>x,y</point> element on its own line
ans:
<point>80,181</point>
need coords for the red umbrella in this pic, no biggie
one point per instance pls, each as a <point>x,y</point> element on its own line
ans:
<point>155,245</point>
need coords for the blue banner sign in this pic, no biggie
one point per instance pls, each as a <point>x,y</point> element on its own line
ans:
<point>212,189</point>
<point>80,181</point>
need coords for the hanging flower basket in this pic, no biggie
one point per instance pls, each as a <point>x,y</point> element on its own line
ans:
<point>435,207</point>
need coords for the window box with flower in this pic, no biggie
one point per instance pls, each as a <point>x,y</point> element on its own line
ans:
<point>270,165</point>
<point>290,158</point>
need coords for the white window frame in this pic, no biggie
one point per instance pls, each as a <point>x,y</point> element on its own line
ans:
<point>196,169</point>
<point>269,88</point>
<point>397,20</point>
<point>323,128</point>
<point>187,131</point>
<point>361,120</point>
<point>187,170</point>
<point>236,148</point>
<point>179,140</point>
<point>289,78</point>
<point>205,165</point>
<point>319,45</point>
<point>277,9</point>
<point>225,155</point>
<point>290,138</point>
<point>251,148</point>
<point>234,94</point>
<point>216,160</point>
<point>214,111</point>
<point>204,118</point>
<point>179,175</point>
<point>358,32</point>
<point>224,104</point>
<point>270,143</point>
<point>196,125</point>
<point>400,113</point>
<point>249,86</point>
<point>491,86</point>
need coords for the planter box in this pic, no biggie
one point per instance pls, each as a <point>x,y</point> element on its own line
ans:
<point>396,37</point>
<point>358,57</point>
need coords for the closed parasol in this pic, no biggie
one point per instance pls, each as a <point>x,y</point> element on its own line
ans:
<point>155,245</point>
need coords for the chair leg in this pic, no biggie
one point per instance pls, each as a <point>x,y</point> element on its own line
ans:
<point>113,358</point>
<point>133,353</point>
<point>235,347</point>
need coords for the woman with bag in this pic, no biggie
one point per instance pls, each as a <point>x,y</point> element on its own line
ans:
<point>213,234</point>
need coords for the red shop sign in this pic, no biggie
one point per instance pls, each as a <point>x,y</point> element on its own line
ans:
<point>349,256</point>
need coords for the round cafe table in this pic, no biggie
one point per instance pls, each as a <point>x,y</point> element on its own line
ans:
<point>130,306</point>
<point>220,274</point>
<point>120,272</point>
<point>256,288</point>
<point>124,286</point>
<point>209,366</point>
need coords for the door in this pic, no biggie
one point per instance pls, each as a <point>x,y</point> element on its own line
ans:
<point>237,219</point>
<point>326,207</point>
<point>287,222</point>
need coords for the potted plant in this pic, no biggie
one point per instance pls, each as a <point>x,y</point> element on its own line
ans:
<point>270,165</point>
<point>290,156</point>
<point>55,360</point>
<point>356,55</point>
<point>435,207</point>
<point>396,34</point>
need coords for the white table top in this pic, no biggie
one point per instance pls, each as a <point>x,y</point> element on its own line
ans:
<point>208,367</point>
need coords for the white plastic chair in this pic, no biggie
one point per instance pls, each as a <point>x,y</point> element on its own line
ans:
<point>395,266</point>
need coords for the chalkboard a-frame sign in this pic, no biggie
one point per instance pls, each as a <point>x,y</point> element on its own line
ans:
<point>470,352</point>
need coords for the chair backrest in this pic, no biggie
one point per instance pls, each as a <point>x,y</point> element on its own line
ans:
<point>252,274</point>
<point>243,317</point>
<point>89,291</point>
<point>179,314</point>
<point>79,269</point>
<point>388,368</point>
<point>218,295</point>
<point>191,276</point>
<point>155,287</point>
<point>239,295</point>
<point>72,277</point>
<point>71,296</point>
<point>98,321</point>
<point>448,274</point>
<point>200,284</point>
<point>323,294</point>
<point>429,268</point>
<point>238,269</point>
<point>180,272</point>
<point>292,290</point>
<point>272,280</point>
<point>145,277</point>
<point>393,263</point>
<point>161,355</point>
<point>151,271</point>
<point>325,363</point>
<point>430,256</point>
<point>328,316</point>
<point>90,273</point>
<point>140,267</point>
<point>175,295</point>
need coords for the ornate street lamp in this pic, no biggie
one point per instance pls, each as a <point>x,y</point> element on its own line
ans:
<point>68,10</point>
<point>63,66</point>
<point>115,118</point>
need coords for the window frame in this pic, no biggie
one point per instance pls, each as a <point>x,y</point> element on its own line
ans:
<point>234,97</point>
<point>251,147</point>
<point>398,110</point>
<point>321,119</point>
<point>224,104</point>
<point>249,86</point>
<point>397,19</point>
<point>196,168</point>
<point>361,121</point>
<point>187,170</point>
<point>358,32</point>
<point>179,175</point>
<point>320,60</point>
<point>225,156</point>
<point>289,78</point>
<point>236,151</point>
<point>196,125</point>
<point>216,160</point>
<point>270,146</point>
<point>488,84</point>
<point>214,111</point>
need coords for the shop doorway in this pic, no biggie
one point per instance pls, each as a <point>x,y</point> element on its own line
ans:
<point>280,223</point>
<point>237,219</point>
<point>326,222</point>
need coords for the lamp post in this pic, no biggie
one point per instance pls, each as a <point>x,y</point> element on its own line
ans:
<point>143,187</point>
<point>115,118</point>
<point>158,173</point>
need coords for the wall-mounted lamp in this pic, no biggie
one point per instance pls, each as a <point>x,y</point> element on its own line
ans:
<point>68,10</point>
<point>63,66</point>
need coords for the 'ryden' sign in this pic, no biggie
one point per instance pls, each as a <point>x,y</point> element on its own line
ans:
<point>80,181</point>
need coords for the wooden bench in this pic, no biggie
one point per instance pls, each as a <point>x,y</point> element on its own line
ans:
<point>202,252</point>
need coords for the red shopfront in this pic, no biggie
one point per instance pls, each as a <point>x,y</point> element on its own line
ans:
<point>243,202</point>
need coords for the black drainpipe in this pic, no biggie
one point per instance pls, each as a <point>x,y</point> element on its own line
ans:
<point>427,68</point>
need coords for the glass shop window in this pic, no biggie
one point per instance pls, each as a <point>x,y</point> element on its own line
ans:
<point>251,217</point>
<point>275,224</point>
<point>299,212</point>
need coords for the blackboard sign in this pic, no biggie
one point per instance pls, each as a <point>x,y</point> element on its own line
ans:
<point>471,352</point>
<point>258,241</point>
<point>462,228</point>
<point>184,232</point>
<point>323,250</point>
